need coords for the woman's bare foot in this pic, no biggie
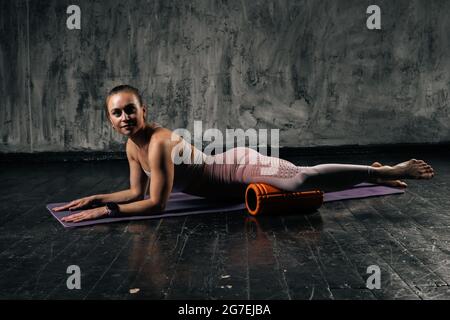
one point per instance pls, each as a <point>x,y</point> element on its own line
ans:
<point>411,169</point>
<point>390,183</point>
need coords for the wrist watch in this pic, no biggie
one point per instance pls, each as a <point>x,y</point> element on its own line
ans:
<point>113,210</point>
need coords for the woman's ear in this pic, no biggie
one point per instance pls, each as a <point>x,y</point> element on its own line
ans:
<point>144,111</point>
<point>109,118</point>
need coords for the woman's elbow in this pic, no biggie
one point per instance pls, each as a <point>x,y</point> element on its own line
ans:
<point>158,206</point>
<point>137,195</point>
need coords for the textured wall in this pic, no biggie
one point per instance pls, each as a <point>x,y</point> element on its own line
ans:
<point>310,68</point>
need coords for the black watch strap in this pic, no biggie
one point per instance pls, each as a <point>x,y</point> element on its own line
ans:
<point>113,209</point>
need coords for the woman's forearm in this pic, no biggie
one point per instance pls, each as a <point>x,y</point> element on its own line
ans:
<point>142,207</point>
<point>118,197</point>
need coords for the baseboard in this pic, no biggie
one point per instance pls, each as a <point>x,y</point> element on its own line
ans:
<point>415,149</point>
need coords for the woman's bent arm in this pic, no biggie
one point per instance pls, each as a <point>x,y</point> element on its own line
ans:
<point>161,184</point>
<point>146,207</point>
<point>123,196</point>
<point>137,183</point>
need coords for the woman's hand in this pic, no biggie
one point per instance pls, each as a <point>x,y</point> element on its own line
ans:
<point>77,204</point>
<point>87,215</point>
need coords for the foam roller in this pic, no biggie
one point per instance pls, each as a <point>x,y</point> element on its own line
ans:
<point>261,198</point>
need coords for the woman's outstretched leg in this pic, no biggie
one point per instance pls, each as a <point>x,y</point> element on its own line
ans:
<point>389,182</point>
<point>326,177</point>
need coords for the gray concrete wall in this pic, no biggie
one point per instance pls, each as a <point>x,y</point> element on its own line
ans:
<point>310,68</point>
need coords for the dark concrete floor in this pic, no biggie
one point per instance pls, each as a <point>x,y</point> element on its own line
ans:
<point>225,256</point>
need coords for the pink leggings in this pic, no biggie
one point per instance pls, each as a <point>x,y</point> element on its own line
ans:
<point>234,169</point>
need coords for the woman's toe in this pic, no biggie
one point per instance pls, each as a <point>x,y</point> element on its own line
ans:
<point>395,183</point>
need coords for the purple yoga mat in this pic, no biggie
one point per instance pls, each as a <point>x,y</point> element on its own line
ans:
<point>182,204</point>
<point>362,190</point>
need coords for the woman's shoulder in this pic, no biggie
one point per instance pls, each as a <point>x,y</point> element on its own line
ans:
<point>161,134</point>
<point>164,139</point>
<point>130,148</point>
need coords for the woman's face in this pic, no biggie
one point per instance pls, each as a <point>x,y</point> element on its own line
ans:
<point>125,113</point>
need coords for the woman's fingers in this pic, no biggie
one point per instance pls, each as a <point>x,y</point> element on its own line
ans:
<point>85,215</point>
<point>61,208</point>
<point>80,218</point>
<point>68,218</point>
<point>82,203</point>
<point>74,217</point>
<point>67,206</point>
<point>74,205</point>
<point>78,206</point>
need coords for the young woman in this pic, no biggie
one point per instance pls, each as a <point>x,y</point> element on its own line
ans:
<point>151,151</point>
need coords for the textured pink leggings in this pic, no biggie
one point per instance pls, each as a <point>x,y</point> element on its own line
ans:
<point>234,169</point>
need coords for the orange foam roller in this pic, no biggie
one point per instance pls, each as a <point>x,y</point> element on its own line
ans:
<point>261,198</point>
